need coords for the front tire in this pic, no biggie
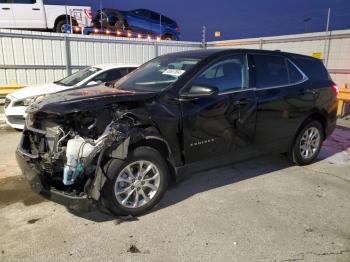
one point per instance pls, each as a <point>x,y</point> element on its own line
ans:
<point>136,184</point>
<point>307,144</point>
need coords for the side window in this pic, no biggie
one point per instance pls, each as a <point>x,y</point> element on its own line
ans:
<point>227,74</point>
<point>130,69</point>
<point>24,1</point>
<point>313,68</point>
<point>123,72</point>
<point>294,74</point>
<point>142,13</point>
<point>270,71</point>
<point>155,16</point>
<point>109,76</point>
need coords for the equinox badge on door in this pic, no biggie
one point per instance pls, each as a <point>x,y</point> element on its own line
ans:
<point>202,142</point>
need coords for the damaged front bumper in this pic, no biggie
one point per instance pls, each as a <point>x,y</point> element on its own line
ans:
<point>36,181</point>
<point>115,145</point>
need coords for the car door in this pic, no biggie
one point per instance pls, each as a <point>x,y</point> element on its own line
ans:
<point>222,124</point>
<point>6,14</point>
<point>29,14</point>
<point>156,23</point>
<point>283,100</point>
<point>140,21</point>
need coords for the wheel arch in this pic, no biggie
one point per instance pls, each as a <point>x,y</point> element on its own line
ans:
<point>159,144</point>
<point>63,18</point>
<point>172,36</point>
<point>318,116</point>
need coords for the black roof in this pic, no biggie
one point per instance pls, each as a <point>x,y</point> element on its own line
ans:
<point>203,53</point>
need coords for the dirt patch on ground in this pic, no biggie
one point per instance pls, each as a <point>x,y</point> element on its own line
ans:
<point>16,189</point>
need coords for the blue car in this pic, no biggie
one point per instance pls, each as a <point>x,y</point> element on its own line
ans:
<point>140,21</point>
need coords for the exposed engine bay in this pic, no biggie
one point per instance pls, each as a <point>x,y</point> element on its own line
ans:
<point>69,149</point>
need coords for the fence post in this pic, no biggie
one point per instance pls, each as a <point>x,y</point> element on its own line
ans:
<point>260,44</point>
<point>68,56</point>
<point>329,40</point>
<point>156,51</point>
<point>204,41</point>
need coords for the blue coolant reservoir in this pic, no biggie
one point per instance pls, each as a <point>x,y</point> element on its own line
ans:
<point>77,149</point>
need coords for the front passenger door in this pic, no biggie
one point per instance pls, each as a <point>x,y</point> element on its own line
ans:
<point>219,125</point>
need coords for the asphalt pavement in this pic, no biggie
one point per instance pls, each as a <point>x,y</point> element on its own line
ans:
<point>260,210</point>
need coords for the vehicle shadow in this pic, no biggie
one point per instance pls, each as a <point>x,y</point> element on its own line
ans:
<point>215,178</point>
<point>196,183</point>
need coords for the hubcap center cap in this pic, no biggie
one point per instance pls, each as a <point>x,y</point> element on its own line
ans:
<point>137,183</point>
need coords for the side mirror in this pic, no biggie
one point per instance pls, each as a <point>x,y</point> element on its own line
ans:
<point>197,91</point>
<point>93,83</point>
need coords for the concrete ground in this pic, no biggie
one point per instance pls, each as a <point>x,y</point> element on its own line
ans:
<point>259,210</point>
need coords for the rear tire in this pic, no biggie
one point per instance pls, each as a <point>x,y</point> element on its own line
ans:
<point>307,144</point>
<point>59,28</point>
<point>120,24</point>
<point>128,184</point>
<point>169,37</point>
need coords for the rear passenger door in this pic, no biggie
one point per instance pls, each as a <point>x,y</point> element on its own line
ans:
<point>140,21</point>
<point>156,25</point>
<point>29,14</point>
<point>283,100</point>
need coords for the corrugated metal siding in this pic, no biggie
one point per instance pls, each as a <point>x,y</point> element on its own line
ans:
<point>334,46</point>
<point>40,57</point>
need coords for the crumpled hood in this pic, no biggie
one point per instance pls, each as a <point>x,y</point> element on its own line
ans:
<point>83,99</point>
<point>37,90</point>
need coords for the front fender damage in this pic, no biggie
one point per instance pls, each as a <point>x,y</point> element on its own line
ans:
<point>116,147</point>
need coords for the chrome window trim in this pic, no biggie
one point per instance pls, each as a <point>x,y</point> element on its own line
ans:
<point>236,91</point>
<point>304,79</point>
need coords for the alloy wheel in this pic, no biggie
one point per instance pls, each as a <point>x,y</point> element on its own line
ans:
<point>137,184</point>
<point>310,142</point>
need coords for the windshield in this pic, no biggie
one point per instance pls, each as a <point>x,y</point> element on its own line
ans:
<point>157,74</point>
<point>77,77</point>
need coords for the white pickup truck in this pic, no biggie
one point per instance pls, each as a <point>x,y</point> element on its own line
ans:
<point>35,15</point>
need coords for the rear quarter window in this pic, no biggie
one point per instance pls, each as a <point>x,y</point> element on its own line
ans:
<point>167,20</point>
<point>312,68</point>
<point>294,74</point>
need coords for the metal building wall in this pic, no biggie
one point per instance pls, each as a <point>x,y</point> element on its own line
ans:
<point>333,47</point>
<point>40,57</point>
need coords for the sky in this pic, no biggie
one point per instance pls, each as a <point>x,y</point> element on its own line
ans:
<point>239,19</point>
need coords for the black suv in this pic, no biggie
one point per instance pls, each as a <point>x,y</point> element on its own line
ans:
<point>176,114</point>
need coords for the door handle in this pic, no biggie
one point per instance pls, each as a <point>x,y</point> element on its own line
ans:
<point>308,92</point>
<point>5,8</point>
<point>241,102</point>
<point>36,9</point>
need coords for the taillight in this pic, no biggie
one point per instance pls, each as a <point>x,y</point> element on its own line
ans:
<point>335,89</point>
<point>178,29</point>
<point>88,13</point>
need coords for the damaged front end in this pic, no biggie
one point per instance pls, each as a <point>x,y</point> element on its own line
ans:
<point>63,155</point>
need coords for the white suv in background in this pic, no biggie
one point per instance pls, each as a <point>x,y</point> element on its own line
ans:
<point>17,102</point>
